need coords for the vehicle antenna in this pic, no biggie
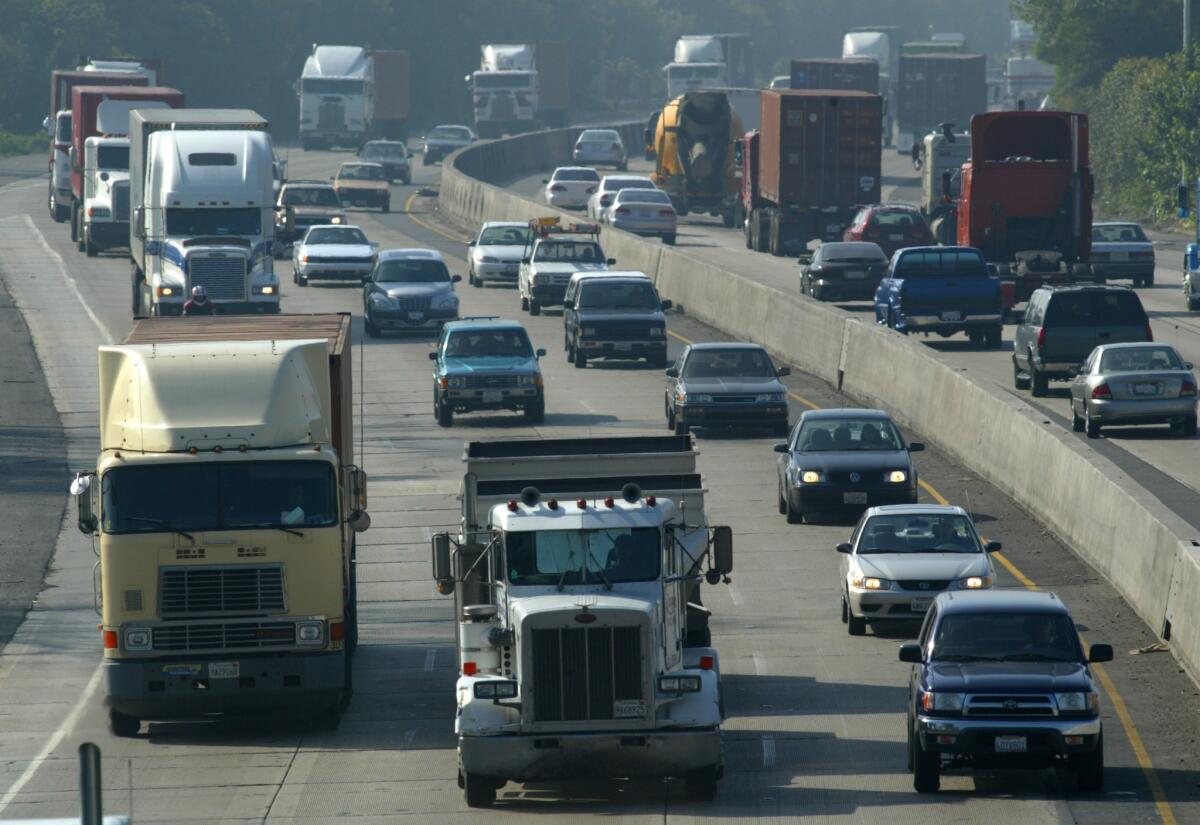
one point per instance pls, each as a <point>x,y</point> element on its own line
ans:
<point>967,496</point>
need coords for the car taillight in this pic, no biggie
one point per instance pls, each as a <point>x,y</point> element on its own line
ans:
<point>558,187</point>
<point>616,147</point>
<point>1041,342</point>
<point>1102,391</point>
<point>1188,388</point>
<point>666,213</point>
<point>1149,332</point>
<point>623,211</point>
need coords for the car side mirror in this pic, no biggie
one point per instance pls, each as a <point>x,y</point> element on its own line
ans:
<point>454,279</point>
<point>783,372</point>
<point>993,547</point>
<point>845,547</point>
<point>1100,653</point>
<point>524,260</point>
<point>911,653</point>
<point>433,355</point>
<point>672,372</point>
<point>782,447</point>
<point>470,243</point>
<point>611,262</point>
<point>665,305</point>
<point>722,549</point>
<point>540,353</point>
<point>916,447</point>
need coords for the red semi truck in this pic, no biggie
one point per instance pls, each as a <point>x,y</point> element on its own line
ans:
<point>1026,198</point>
<point>814,161</point>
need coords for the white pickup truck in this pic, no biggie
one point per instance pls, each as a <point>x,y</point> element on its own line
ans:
<point>553,253</point>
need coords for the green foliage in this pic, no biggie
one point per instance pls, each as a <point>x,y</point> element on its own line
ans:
<point>11,144</point>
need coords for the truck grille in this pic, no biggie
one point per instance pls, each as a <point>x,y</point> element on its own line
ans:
<point>1002,705</point>
<point>338,259</point>
<point>621,332</point>
<point>923,584</point>
<point>120,201</point>
<point>331,116</point>
<point>224,277</point>
<point>224,635</point>
<point>208,590</point>
<point>488,382</point>
<point>503,106</point>
<point>579,674</point>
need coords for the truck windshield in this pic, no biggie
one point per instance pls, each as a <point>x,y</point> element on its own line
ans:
<point>63,133</point>
<point>505,80</point>
<point>219,496</point>
<point>326,86</point>
<point>622,554</point>
<point>1011,637</point>
<point>199,222</point>
<point>112,157</point>
<point>626,295</point>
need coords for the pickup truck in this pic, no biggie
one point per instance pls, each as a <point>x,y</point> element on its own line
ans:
<point>552,254</point>
<point>941,290</point>
<point>614,315</point>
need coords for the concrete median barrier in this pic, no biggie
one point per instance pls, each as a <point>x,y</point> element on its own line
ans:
<point>1115,525</point>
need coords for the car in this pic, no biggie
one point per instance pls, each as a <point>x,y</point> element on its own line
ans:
<point>1063,324</point>
<point>600,146</point>
<point>843,271</point>
<point>442,140</point>
<point>495,254</point>
<point>392,155</point>
<point>486,364</point>
<point>781,81</point>
<point>645,212</point>
<point>1191,281</point>
<point>726,385</point>
<point>1000,679</point>
<point>303,204</point>
<point>410,290</point>
<point>614,315</point>
<point>842,461</point>
<point>1122,250</point>
<point>363,184</point>
<point>901,556</point>
<point>1141,383</point>
<point>340,253</point>
<point>941,290</point>
<point>602,198</point>
<point>893,226</point>
<point>571,186</point>
<point>556,252</point>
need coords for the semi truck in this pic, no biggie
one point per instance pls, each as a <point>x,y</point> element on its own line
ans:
<point>1026,198</point>
<point>99,159</point>
<point>350,94</point>
<point>694,143</point>
<point>942,152</point>
<point>520,87</point>
<point>814,162</point>
<point>710,61</point>
<point>857,72</point>
<point>224,504</point>
<point>938,88</point>
<point>149,67</point>
<point>201,197</point>
<point>582,641</point>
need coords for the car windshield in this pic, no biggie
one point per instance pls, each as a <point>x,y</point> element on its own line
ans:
<point>1006,637</point>
<point>450,133</point>
<point>310,196</point>
<point>603,294</point>
<point>895,218</point>
<point>500,343</point>
<point>574,557</point>
<point>410,271</point>
<point>742,362</point>
<point>218,496</point>
<point>643,196</point>
<point>362,173</point>
<point>335,235</point>
<point>918,533</point>
<point>583,252</point>
<point>197,223</point>
<point>504,236</point>
<point>937,263</point>
<point>1140,359</point>
<point>852,252</point>
<point>385,150</point>
<point>589,175</point>
<point>1118,233</point>
<point>599,136</point>
<point>823,435</point>
<point>1104,308</point>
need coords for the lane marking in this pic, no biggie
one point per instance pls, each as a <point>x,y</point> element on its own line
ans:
<point>760,664</point>
<point>71,284</point>
<point>734,596</point>
<point>420,222</point>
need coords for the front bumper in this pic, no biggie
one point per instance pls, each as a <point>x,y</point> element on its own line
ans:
<point>339,272</point>
<point>732,415</point>
<point>636,754</point>
<point>178,687</point>
<point>655,348</point>
<point>824,498</point>
<point>109,233</point>
<point>400,320</point>
<point>897,605</point>
<point>548,294</point>
<point>506,272</point>
<point>1160,411</point>
<point>508,398</point>
<point>976,738</point>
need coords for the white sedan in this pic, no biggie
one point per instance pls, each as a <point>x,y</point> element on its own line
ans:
<point>339,253</point>
<point>609,186</point>
<point>571,186</point>
<point>496,252</point>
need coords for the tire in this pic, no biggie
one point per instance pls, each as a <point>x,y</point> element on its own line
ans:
<point>791,514</point>
<point>135,302</point>
<point>580,360</point>
<point>537,414</point>
<point>387,206</point>
<point>993,337</point>
<point>855,625</point>
<point>701,785</point>
<point>1019,381</point>
<point>727,219</point>
<point>479,791</point>
<point>846,620</point>
<point>524,304</point>
<point>669,240</point>
<point>927,768</point>
<point>1189,426</point>
<point>1089,767</point>
<point>347,678</point>
<point>445,415</point>
<point>1193,304</point>
<point>782,505</point>
<point>89,248</point>
<point>1091,427</point>
<point>122,724</point>
<point>301,279</point>
<point>74,224</point>
<point>534,307</point>
<point>1039,384</point>
<point>671,419</point>
<point>369,325</point>
<point>1076,422</point>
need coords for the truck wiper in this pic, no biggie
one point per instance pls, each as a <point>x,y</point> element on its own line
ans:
<point>279,527</point>
<point>566,569</point>
<point>599,570</point>
<point>1031,657</point>
<point>163,524</point>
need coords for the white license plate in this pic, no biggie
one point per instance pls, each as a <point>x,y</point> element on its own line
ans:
<point>1011,744</point>
<point>1145,389</point>
<point>854,498</point>
<point>919,605</point>
<point>224,670</point>
<point>492,396</point>
<point>896,236</point>
<point>416,316</point>
<point>1118,256</point>
<point>629,710</point>
<point>952,316</point>
<point>856,275</point>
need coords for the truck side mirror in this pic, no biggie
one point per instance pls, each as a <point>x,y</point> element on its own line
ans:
<point>665,305</point>
<point>945,184</point>
<point>443,576</point>
<point>1181,197</point>
<point>81,488</point>
<point>722,549</point>
<point>911,653</point>
<point>139,227</point>
<point>71,158</point>
<point>1100,653</point>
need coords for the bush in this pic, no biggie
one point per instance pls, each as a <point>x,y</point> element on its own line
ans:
<point>11,144</point>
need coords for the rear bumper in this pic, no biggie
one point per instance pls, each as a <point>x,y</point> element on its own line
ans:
<point>645,227</point>
<point>976,738</point>
<point>847,290</point>
<point>590,156</point>
<point>937,324</point>
<point>1141,412</point>
<point>1123,269</point>
<point>497,272</point>
<point>566,201</point>
<point>635,754</point>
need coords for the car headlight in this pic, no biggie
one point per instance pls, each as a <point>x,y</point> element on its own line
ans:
<point>446,301</point>
<point>941,702</point>
<point>495,689</point>
<point>1081,702</point>
<point>870,583</point>
<point>489,259</point>
<point>527,380</point>
<point>137,638</point>
<point>657,332</point>
<point>975,582</point>
<point>811,477</point>
<point>335,219</point>
<point>897,476</point>
<point>454,382</point>
<point>678,684</point>
<point>310,633</point>
<point>770,398</point>
<point>383,300</point>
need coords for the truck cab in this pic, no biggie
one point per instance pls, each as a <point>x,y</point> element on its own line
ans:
<point>504,90</point>
<point>553,253</point>
<point>336,90</point>
<point>940,159</point>
<point>614,315</point>
<point>60,167</point>
<point>583,648</point>
<point>105,209</point>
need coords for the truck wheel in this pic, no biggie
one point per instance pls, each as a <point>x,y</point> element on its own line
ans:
<point>701,785</point>
<point>993,337</point>
<point>727,219</point>
<point>1039,383</point>
<point>536,414</point>
<point>534,307</point>
<point>927,767</point>
<point>479,791</point>
<point>1089,767</point>
<point>524,304</point>
<point>387,206</point>
<point>1020,379</point>
<point>74,224</point>
<point>580,360</point>
<point>372,330</point>
<point>445,415</point>
<point>89,248</point>
<point>122,724</point>
<point>680,427</point>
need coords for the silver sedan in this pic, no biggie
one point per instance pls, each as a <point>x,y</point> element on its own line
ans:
<point>600,146</point>
<point>643,212</point>
<point>1136,383</point>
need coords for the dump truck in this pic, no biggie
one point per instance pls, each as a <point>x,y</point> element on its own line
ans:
<point>695,164</point>
<point>583,645</point>
<point>224,505</point>
<point>938,88</point>
<point>814,162</point>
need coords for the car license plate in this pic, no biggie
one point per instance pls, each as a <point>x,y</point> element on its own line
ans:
<point>854,498</point>
<point>952,316</point>
<point>224,670</point>
<point>416,316</point>
<point>919,605</point>
<point>492,396</point>
<point>629,709</point>
<point>1011,744</point>
<point>1145,389</point>
<point>896,236</point>
<point>856,275</point>
<point>181,670</point>
<point>1118,256</point>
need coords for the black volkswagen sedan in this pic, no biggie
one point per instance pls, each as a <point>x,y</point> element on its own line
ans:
<point>840,462</point>
<point>843,271</point>
<point>726,385</point>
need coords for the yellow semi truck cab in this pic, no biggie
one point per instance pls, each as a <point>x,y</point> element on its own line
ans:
<point>224,506</point>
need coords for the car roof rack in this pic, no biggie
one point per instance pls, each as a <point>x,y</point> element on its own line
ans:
<point>553,225</point>
<point>478,318</point>
<point>291,181</point>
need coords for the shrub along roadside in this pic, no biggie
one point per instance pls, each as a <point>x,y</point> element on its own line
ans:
<point>11,144</point>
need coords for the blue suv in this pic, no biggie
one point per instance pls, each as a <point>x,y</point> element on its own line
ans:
<point>486,364</point>
<point>943,290</point>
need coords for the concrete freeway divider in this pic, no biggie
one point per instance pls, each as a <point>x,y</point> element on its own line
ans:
<point>1148,553</point>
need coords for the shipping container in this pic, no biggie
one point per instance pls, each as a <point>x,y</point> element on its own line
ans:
<point>939,88</point>
<point>857,73</point>
<point>391,95</point>
<point>554,82</point>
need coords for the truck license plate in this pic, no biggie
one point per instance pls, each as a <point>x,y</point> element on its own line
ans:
<point>629,710</point>
<point>919,605</point>
<point>492,397</point>
<point>856,275</point>
<point>224,670</point>
<point>952,315</point>
<point>854,498</point>
<point>416,316</point>
<point>1011,744</point>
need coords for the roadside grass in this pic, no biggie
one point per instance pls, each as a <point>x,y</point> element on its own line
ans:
<point>13,144</point>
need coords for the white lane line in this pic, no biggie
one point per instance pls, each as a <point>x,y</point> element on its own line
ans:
<point>430,658</point>
<point>760,664</point>
<point>409,735</point>
<point>768,749</point>
<point>53,742</point>
<point>735,596</point>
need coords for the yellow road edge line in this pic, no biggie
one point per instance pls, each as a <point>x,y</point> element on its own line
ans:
<point>431,227</point>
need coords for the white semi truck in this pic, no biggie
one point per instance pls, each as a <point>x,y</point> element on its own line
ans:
<point>583,646</point>
<point>336,97</point>
<point>710,61</point>
<point>201,210</point>
<point>504,90</point>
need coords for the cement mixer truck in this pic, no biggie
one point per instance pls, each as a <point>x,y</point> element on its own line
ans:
<point>694,143</point>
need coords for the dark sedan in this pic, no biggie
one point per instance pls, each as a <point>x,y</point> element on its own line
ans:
<point>726,385</point>
<point>841,462</point>
<point>843,271</point>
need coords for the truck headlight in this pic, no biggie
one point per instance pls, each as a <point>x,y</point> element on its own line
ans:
<point>657,332</point>
<point>137,638</point>
<point>975,582</point>
<point>495,689</point>
<point>897,476</point>
<point>264,290</point>
<point>310,633</point>
<point>336,219</point>
<point>455,382</point>
<point>678,684</point>
<point>870,583</point>
<point>1078,702</point>
<point>942,702</point>
<point>527,380</point>
<point>811,477</point>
